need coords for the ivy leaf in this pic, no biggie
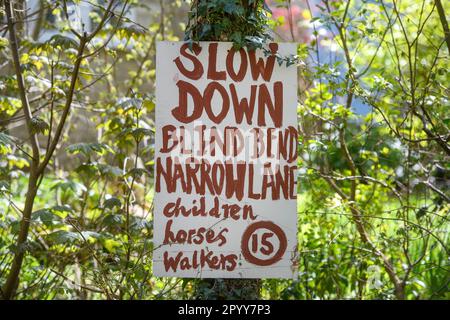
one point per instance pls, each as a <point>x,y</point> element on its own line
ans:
<point>230,7</point>
<point>266,7</point>
<point>206,29</point>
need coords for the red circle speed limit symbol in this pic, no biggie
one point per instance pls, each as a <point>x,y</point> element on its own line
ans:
<point>260,239</point>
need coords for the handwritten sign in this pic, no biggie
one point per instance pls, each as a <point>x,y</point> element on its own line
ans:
<point>225,163</point>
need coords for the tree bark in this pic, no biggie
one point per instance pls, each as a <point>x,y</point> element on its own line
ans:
<point>13,276</point>
<point>39,21</point>
<point>228,289</point>
<point>444,22</point>
<point>37,167</point>
<point>223,289</point>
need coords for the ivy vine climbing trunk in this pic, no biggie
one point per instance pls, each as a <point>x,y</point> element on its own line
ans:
<point>202,27</point>
<point>228,289</point>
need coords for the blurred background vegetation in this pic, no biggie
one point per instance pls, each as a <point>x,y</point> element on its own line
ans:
<point>77,135</point>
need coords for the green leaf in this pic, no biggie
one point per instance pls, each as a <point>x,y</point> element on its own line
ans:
<point>62,41</point>
<point>137,172</point>
<point>206,29</point>
<point>63,237</point>
<point>421,212</point>
<point>4,187</point>
<point>266,7</point>
<point>63,208</point>
<point>38,125</point>
<point>132,30</point>
<point>112,202</point>
<point>111,245</point>
<point>149,105</point>
<point>89,148</point>
<point>62,211</point>
<point>113,219</point>
<point>46,216</point>
<point>88,169</point>
<point>230,7</point>
<point>3,43</point>
<point>90,235</point>
<point>128,103</point>
<point>109,171</point>
<point>66,185</point>
<point>139,133</point>
<point>6,141</point>
<point>139,223</point>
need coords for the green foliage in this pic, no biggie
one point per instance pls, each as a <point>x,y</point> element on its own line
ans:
<point>88,149</point>
<point>373,171</point>
<point>242,22</point>
<point>385,171</point>
<point>245,23</point>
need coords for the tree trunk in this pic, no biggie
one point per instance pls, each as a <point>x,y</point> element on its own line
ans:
<point>13,276</point>
<point>12,279</point>
<point>228,289</point>
<point>223,289</point>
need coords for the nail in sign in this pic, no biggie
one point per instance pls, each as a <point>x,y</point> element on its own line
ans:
<point>225,162</point>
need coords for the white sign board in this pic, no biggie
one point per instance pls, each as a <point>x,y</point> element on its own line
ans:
<point>225,162</point>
